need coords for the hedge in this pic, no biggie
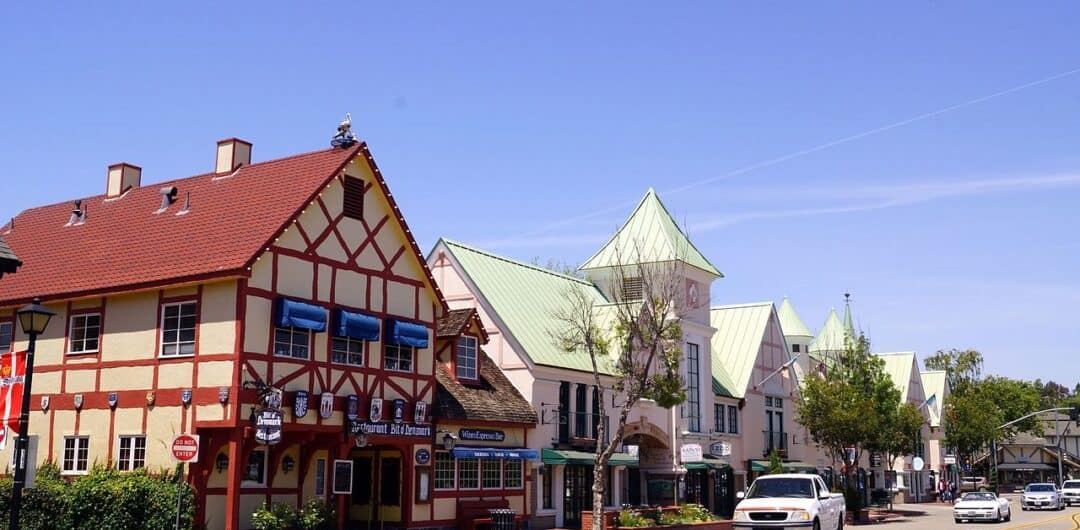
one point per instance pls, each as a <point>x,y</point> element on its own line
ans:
<point>104,498</point>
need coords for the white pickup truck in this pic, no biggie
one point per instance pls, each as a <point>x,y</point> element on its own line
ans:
<point>789,501</point>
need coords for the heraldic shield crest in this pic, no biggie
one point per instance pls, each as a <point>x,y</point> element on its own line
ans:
<point>399,410</point>
<point>44,403</point>
<point>420,411</point>
<point>352,407</point>
<point>300,403</point>
<point>223,394</point>
<point>78,401</point>
<point>113,399</point>
<point>185,396</point>
<point>376,410</point>
<point>326,405</point>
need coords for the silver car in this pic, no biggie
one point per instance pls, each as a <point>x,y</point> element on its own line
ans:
<point>1042,496</point>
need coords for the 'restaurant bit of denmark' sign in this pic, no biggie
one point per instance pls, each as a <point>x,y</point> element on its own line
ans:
<point>410,430</point>
<point>482,435</point>
<point>268,426</point>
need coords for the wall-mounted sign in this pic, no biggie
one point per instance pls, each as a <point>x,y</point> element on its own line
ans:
<point>300,403</point>
<point>423,456</point>
<point>950,459</point>
<point>720,449</point>
<point>268,426</point>
<point>482,435</point>
<point>326,405</point>
<point>352,406</point>
<point>399,410</point>
<point>409,430</point>
<point>633,450</point>
<point>342,477</point>
<point>691,453</point>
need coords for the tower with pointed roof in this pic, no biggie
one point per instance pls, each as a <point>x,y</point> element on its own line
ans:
<point>796,333</point>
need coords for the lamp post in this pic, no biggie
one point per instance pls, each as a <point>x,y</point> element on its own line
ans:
<point>33,319</point>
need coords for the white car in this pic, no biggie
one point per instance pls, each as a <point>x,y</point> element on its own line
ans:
<point>1041,496</point>
<point>789,501</point>
<point>1070,491</point>
<point>982,506</point>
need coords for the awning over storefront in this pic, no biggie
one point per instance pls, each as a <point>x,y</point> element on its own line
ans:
<point>406,333</point>
<point>706,463</point>
<point>565,456</point>
<point>790,467</point>
<point>296,314</point>
<point>512,453</point>
<point>1026,467</point>
<point>355,325</point>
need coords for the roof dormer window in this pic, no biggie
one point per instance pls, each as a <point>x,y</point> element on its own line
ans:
<point>466,361</point>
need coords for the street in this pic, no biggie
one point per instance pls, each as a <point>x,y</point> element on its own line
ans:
<point>935,516</point>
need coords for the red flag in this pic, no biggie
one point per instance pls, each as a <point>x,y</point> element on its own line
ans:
<point>12,372</point>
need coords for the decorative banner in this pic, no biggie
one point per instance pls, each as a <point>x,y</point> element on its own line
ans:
<point>420,412</point>
<point>223,394</point>
<point>352,407</point>
<point>375,414</point>
<point>326,406</point>
<point>423,456</point>
<point>268,426</point>
<point>185,396</point>
<point>300,403</point>
<point>44,403</point>
<point>78,401</point>
<point>12,370</point>
<point>482,435</point>
<point>399,410</point>
<point>113,398</point>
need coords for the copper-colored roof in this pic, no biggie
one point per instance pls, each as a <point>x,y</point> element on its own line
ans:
<point>494,399</point>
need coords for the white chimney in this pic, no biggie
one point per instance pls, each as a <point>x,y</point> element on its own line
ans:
<point>231,154</point>
<point>122,177</point>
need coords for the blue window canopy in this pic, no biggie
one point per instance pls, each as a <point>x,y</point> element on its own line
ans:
<point>406,333</point>
<point>355,325</point>
<point>296,314</point>
<point>510,453</point>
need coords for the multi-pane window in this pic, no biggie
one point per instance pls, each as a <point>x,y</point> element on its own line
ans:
<point>85,333</point>
<point>547,499</point>
<point>512,474</point>
<point>76,449</point>
<point>444,471</point>
<point>733,419</point>
<point>132,453</point>
<point>466,358</point>
<point>398,357</point>
<point>468,473</point>
<point>320,477</point>
<point>178,329</point>
<point>693,387</point>
<point>7,330</point>
<point>718,410</point>
<point>491,472</point>
<point>347,351</point>
<point>255,473</point>
<point>292,342</point>
<point>579,412</point>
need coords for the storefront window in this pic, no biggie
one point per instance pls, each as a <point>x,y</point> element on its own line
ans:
<point>468,473</point>
<point>444,471</point>
<point>512,473</point>
<point>492,474</point>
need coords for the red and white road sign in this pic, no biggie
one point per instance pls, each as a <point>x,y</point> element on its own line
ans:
<point>185,448</point>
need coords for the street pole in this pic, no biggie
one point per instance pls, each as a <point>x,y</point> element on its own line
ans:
<point>24,436</point>
<point>180,493</point>
<point>1057,442</point>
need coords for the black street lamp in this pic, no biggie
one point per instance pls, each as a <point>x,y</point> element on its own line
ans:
<point>33,319</point>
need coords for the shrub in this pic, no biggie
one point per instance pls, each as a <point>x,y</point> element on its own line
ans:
<point>694,513</point>
<point>316,514</point>
<point>633,519</point>
<point>279,516</point>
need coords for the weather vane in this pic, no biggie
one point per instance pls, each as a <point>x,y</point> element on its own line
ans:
<point>344,137</point>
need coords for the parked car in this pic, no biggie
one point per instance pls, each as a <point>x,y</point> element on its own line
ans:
<point>789,501</point>
<point>1041,496</point>
<point>973,483</point>
<point>982,506</point>
<point>1070,491</point>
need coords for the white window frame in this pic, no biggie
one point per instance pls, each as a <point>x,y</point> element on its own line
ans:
<point>499,473</point>
<point>349,343</point>
<point>130,460</point>
<point>453,471</point>
<point>73,469</point>
<point>479,478</point>
<point>398,349</point>
<point>10,334</point>
<point>293,343</point>
<point>520,476</point>
<point>245,483</point>
<point>71,330</point>
<point>179,344</point>
<point>467,349</point>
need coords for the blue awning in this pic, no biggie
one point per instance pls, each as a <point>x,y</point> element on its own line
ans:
<point>512,453</point>
<point>406,333</point>
<point>355,325</point>
<point>291,313</point>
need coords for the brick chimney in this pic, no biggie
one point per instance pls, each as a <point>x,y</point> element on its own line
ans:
<point>231,154</point>
<point>122,177</point>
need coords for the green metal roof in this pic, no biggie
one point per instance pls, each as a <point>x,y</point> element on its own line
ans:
<point>650,235</point>
<point>736,343</point>
<point>831,338</point>
<point>790,322</point>
<point>849,323</point>
<point>899,366</point>
<point>526,299</point>
<point>933,382</point>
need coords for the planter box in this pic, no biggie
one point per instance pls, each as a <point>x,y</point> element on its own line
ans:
<point>611,519</point>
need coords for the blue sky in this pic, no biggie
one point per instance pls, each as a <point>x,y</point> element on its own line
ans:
<point>924,156</point>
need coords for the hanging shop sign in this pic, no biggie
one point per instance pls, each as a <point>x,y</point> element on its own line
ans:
<point>482,435</point>
<point>402,430</point>
<point>691,453</point>
<point>268,426</point>
<point>272,398</point>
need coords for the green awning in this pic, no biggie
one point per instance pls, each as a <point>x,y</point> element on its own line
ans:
<point>706,463</point>
<point>566,456</point>
<point>790,467</point>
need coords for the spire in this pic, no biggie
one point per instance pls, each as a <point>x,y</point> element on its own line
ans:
<point>849,324</point>
<point>831,336</point>
<point>790,322</point>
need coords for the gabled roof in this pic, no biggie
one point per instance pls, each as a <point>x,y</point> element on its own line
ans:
<point>832,337</point>
<point>790,322</point>
<point>124,245</point>
<point>740,329</point>
<point>494,399</point>
<point>650,235</point>
<point>526,299</point>
<point>899,366</point>
<point>8,261</point>
<point>455,322</point>
<point>933,382</point>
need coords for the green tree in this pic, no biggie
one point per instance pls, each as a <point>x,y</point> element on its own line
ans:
<point>898,432</point>
<point>970,424</point>
<point>963,368</point>
<point>776,465</point>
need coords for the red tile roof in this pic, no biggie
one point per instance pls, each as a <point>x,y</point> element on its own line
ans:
<point>124,245</point>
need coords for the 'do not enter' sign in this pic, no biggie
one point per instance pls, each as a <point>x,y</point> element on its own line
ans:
<point>185,448</point>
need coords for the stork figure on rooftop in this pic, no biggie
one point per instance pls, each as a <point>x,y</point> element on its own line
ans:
<point>344,137</point>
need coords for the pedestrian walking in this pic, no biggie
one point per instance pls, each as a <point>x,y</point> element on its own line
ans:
<point>942,487</point>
